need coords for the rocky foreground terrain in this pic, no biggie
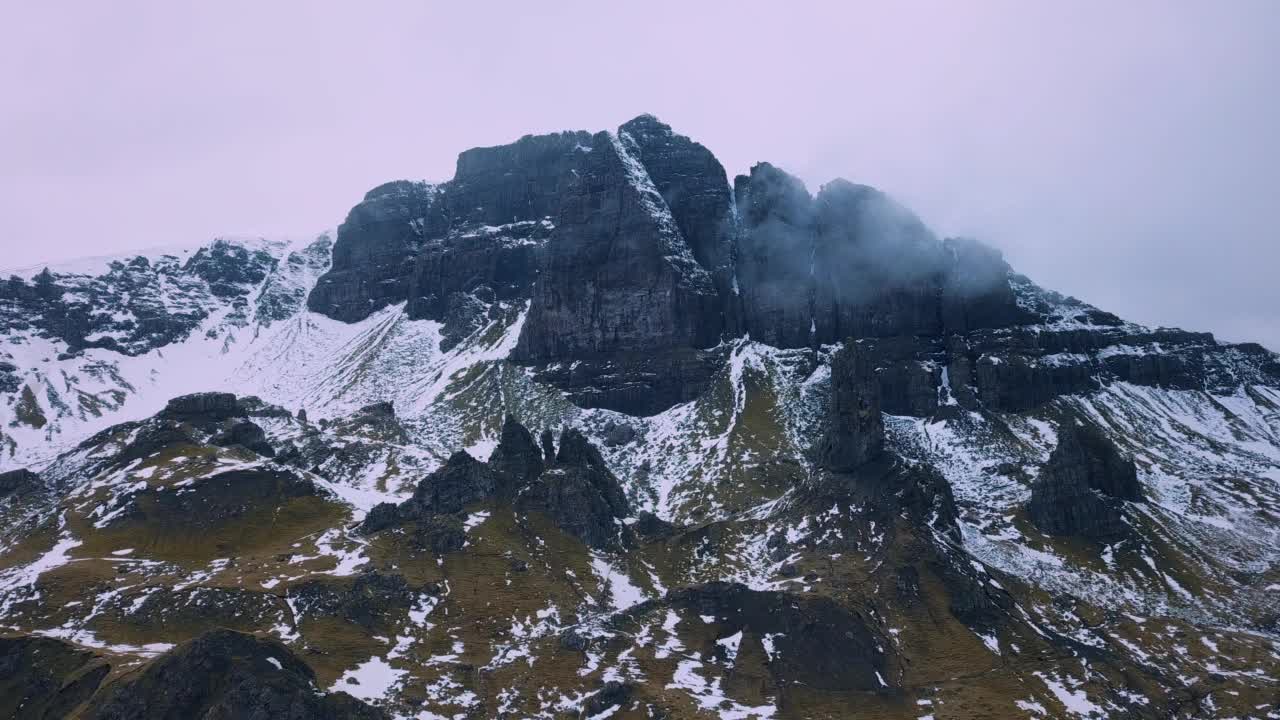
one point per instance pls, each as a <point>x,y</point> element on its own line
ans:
<point>591,431</point>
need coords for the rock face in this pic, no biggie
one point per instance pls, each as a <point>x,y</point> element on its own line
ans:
<point>855,427</point>
<point>696,190</point>
<point>226,674</point>
<point>852,262</point>
<point>202,408</point>
<point>19,481</point>
<point>579,493</point>
<point>575,489</point>
<point>379,239</point>
<point>461,481</point>
<point>429,245</point>
<point>637,257</point>
<point>618,274</point>
<point>1082,486</point>
<point>518,459</point>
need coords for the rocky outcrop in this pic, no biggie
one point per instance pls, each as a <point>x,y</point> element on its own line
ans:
<point>522,181</point>
<point>368,600</point>
<point>225,674</point>
<point>211,503</point>
<point>855,426</point>
<point>247,435</point>
<point>379,239</point>
<point>517,460</point>
<point>43,678</point>
<point>461,481</point>
<point>579,493</point>
<point>231,270</point>
<point>774,267</point>
<point>696,190</point>
<point>19,482</point>
<point>1081,489</point>
<point>433,245</point>
<point>202,408</point>
<point>816,642</point>
<point>618,275</point>
<point>575,489</point>
<point>852,262</point>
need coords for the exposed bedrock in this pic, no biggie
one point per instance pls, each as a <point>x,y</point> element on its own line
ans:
<point>225,674</point>
<point>1082,488</point>
<point>637,258</point>
<point>574,488</point>
<point>855,426</point>
<point>817,642</point>
<point>617,274</point>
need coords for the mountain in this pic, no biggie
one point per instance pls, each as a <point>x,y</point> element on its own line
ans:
<point>591,430</point>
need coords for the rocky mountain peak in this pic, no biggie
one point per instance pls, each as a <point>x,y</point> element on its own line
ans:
<point>587,431</point>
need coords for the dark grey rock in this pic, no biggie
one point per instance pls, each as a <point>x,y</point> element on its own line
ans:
<point>380,517</point>
<point>517,459</point>
<point>461,481</point>
<point>225,674</point>
<point>246,434</point>
<point>855,426</point>
<point>579,493</point>
<point>618,275</point>
<point>21,481</point>
<point>376,245</point>
<point>201,408</point>
<point>46,678</point>
<point>371,599</point>
<point>818,643</point>
<point>383,409</point>
<point>1081,488</point>
<point>618,433</point>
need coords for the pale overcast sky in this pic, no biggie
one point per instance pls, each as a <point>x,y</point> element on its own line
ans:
<point>1124,152</point>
